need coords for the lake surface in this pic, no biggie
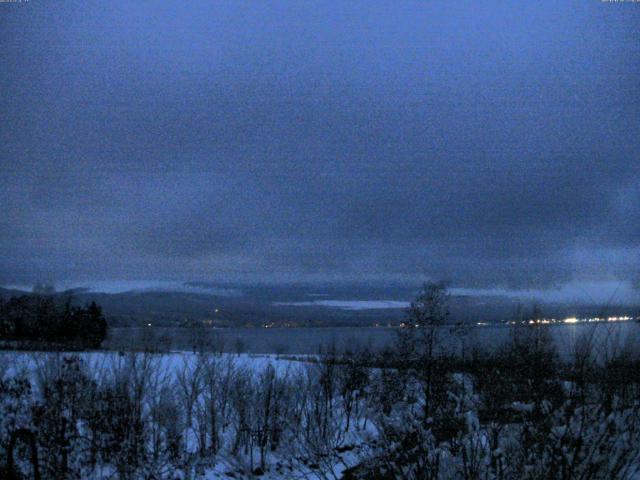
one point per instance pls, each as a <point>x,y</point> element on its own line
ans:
<point>607,336</point>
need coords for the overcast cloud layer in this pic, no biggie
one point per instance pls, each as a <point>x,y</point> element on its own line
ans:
<point>491,144</point>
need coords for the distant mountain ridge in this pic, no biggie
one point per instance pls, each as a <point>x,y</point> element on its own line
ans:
<point>296,306</point>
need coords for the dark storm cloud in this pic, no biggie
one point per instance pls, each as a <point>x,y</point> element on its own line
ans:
<point>492,145</point>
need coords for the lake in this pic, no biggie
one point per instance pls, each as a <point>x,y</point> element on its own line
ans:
<point>611,335</point>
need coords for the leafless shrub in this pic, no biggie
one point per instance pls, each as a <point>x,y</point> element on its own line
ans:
<point>65,389</point>
<point>189,385</point>
<point>352,379</point>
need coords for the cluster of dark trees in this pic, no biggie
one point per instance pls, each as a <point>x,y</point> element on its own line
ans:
<point>45,318</point>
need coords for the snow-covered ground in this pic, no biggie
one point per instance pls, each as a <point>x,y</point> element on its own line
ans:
<point>172,375</point>
<point>171,363</point>
<point>185,415</point>
<point>349,304</point>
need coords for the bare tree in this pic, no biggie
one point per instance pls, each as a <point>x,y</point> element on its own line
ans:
<point>189,384</point>
<point>352,379</point>
<point>427,313</point>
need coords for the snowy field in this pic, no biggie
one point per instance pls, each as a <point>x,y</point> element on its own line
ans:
<point>206,416</point>
<point>15,362</point>
<point>243,392</point>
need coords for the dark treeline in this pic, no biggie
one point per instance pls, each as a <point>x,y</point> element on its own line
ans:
<point>49,319</point>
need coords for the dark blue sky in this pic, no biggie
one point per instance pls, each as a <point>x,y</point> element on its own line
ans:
<point>491,144</point>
